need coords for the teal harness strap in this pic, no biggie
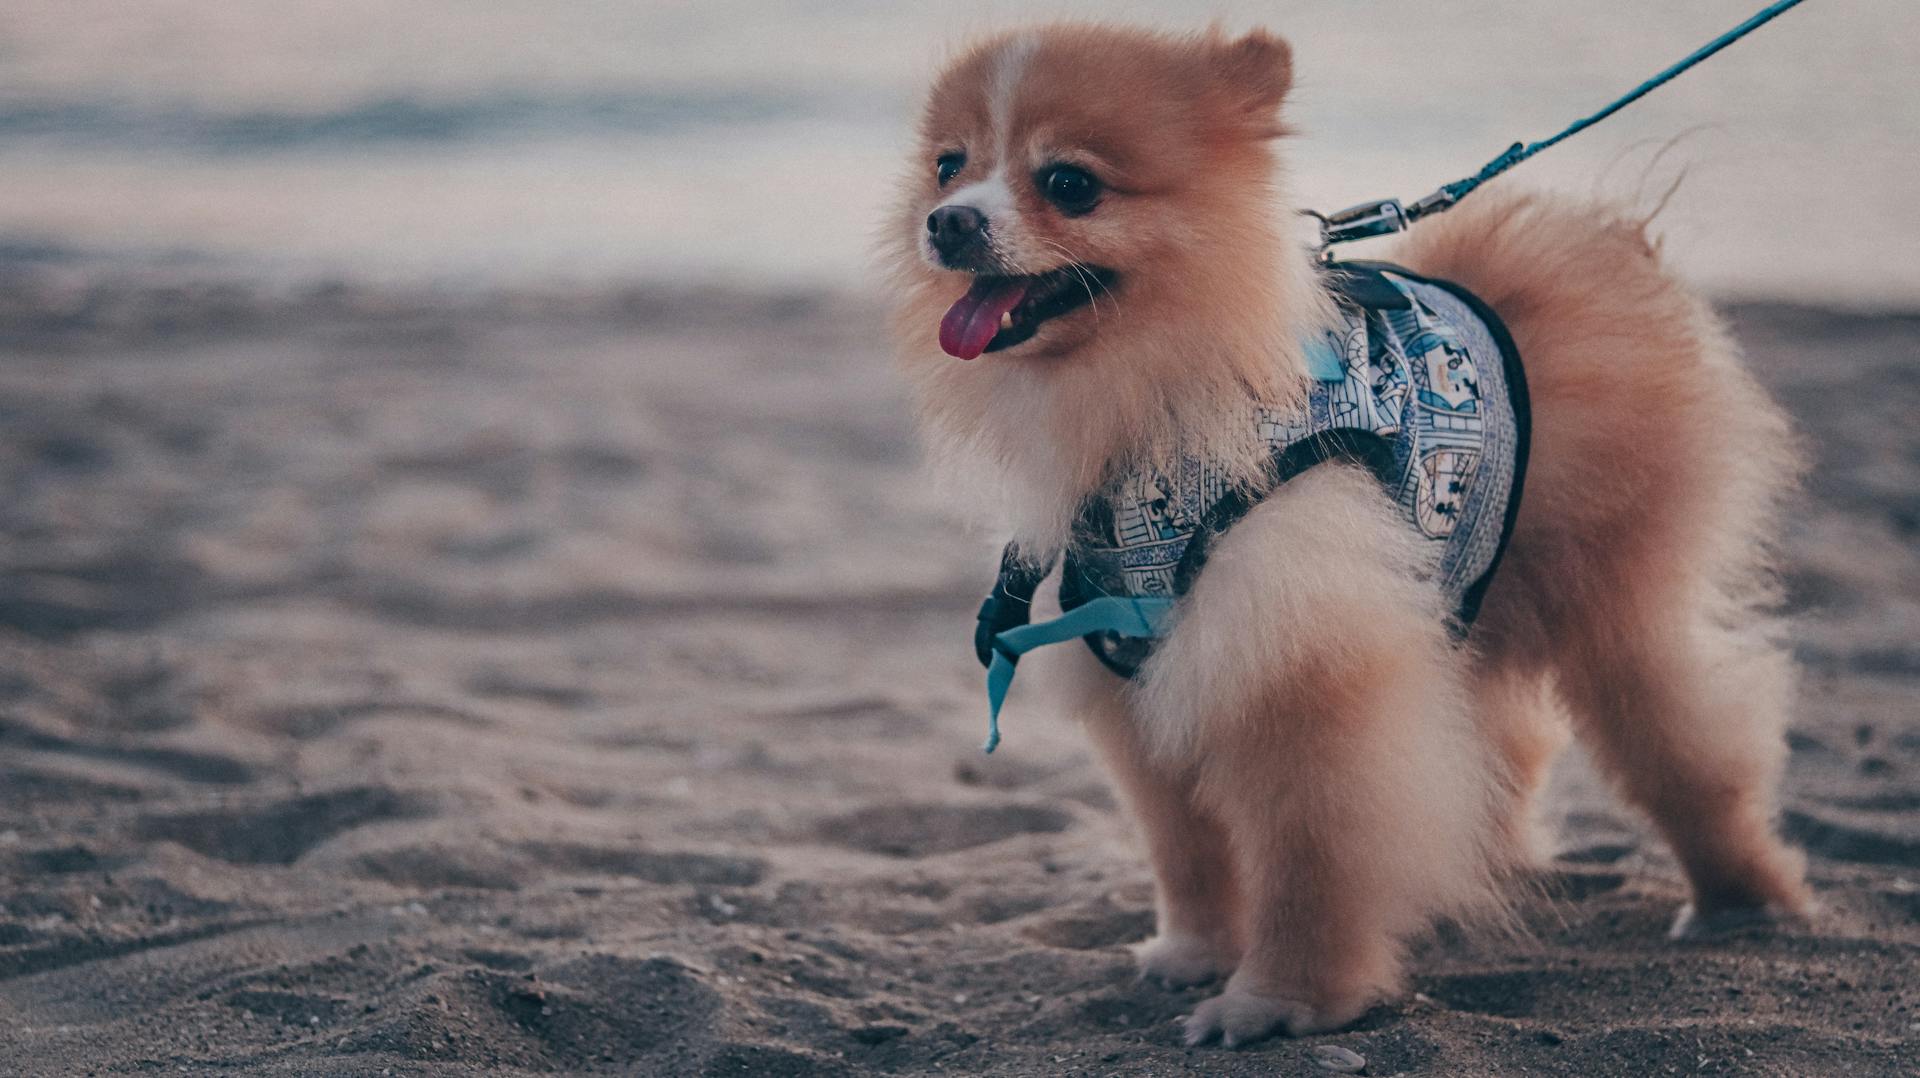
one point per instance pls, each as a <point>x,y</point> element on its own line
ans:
<point>1107,614</point>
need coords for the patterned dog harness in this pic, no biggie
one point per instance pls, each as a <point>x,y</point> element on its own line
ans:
<point>1420,383</point>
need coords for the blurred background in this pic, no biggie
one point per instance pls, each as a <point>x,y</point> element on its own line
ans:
<point>752,140</point>
<point>470,604</point>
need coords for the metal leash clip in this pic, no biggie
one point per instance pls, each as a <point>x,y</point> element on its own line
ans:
<point>1381,217</point>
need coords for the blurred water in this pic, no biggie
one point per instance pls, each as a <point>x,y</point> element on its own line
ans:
<point>754,143</point>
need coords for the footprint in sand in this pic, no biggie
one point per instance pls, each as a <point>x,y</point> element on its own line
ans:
<point>1575,885</point>
<point>665,868</point>
<point>174,763</point>
<point>921,830</point>
<point>306,722</point>
<point>127,589</point>
<point>296,1009</point>
<point>1847,841</point>
<point>431,868</point>
<point>502,685</point>
<point>1505,994</point>
<point>603,1005</point>
<point>1095,929</point>
<point>1600,853</point>
<point>599,1012</point>
<point>279,832</point>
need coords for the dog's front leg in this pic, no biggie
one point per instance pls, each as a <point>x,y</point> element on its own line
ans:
<point>1196,905</point>
<point>1311,684</point>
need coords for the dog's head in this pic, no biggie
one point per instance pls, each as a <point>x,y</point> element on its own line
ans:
<point>1099,209</point>
<point>1072,181</point>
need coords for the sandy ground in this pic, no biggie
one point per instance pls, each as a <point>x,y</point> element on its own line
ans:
<point>584,684</point>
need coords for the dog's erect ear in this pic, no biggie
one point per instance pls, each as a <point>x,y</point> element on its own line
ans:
<point>1258,70</point>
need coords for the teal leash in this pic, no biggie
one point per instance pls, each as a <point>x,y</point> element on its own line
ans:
<point>1387,215</point>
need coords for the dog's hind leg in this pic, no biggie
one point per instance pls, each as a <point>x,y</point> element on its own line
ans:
<point>1687,717</point>
<point>1520,718</point>
<point>1640,565</point>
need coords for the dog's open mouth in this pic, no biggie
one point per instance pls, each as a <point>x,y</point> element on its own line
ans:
<point>1000,312</point>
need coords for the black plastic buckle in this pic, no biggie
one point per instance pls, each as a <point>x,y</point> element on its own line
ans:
<point>988,625</point>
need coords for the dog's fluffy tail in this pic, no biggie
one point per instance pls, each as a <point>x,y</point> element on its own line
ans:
<point>1647,425</point>
<point>1641,567</point>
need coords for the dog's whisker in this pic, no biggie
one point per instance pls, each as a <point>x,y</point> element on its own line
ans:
<point>1084,275</point>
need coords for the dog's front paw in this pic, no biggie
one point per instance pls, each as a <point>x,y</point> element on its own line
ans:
<point>1237,1016</point>
<point>1177,961</point>
<point>1240,1016</point>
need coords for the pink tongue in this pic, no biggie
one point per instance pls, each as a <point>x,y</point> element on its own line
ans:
<point>975,317</point>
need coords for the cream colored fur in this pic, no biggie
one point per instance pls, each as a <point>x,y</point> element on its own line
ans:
<point>1318,770</point>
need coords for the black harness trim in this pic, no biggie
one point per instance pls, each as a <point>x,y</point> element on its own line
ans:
<point>1359,446</point>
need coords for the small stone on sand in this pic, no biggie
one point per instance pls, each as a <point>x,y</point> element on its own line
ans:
<point>1332,1057</point>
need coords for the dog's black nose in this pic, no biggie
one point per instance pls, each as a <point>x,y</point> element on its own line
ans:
<point>952,228</point>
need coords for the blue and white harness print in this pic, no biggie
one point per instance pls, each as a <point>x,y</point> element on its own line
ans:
<point>1419,382</point>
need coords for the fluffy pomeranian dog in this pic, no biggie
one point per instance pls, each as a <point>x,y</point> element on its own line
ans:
<point>1320,763</point>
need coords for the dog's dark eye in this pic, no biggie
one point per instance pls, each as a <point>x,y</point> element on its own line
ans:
<point>947,166</point>
<point>1072,189</point>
